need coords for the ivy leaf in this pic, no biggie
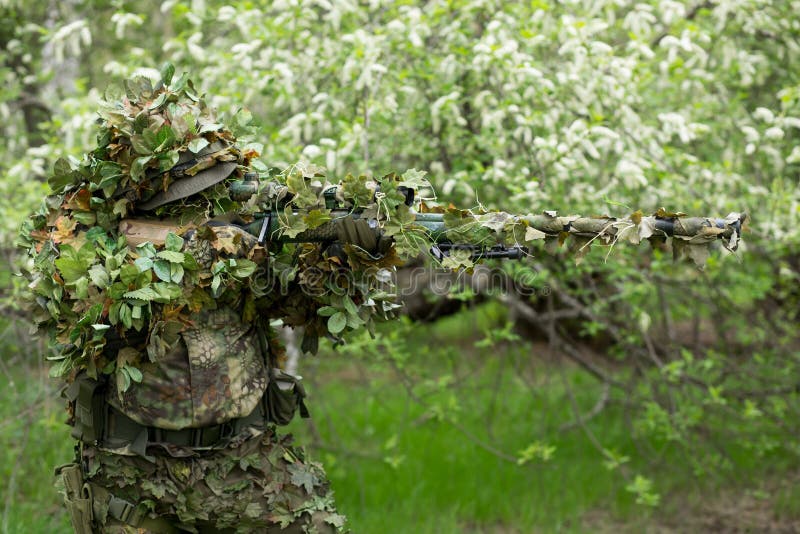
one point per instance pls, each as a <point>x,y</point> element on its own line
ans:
<point>355,190</point>
<point>495,220</point>
<point>317,218</point>
<point>121,207</point>
<point>293,225</point>
<point>86,218</point>
<point>62,176</point>
<point>458,259</point>
<point>74,264</point>
<point>303,195</point>
<point>414,179</point>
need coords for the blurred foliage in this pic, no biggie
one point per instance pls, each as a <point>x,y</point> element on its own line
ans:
<point>587,107</point>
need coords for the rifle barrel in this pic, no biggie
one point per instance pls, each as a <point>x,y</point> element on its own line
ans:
<point>268,228</point>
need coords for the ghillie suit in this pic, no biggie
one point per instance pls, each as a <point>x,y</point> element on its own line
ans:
<point>157,283</point>
<point>172,379</point>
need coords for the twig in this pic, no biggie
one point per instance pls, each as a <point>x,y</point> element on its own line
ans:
<point>568,350</point>
<point>599,406</point>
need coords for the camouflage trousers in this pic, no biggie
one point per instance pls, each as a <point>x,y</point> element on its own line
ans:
<point>262,484</point>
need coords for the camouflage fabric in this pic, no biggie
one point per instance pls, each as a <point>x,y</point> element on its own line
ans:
<point>213,372</point>
<point>262,484</point>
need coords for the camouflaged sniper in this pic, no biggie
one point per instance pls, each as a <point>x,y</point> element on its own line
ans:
<point>157,287</point>
<point>170,364</point>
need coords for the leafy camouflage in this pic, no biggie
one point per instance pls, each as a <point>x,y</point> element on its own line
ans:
<point>87,283</point>
<point>171,326</point>
<point>262,484</point>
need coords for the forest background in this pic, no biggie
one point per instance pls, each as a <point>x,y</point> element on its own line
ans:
<point>630,391</point>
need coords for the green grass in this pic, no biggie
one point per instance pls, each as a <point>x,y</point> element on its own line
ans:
<point>33,438</point>
<point>398,465</point>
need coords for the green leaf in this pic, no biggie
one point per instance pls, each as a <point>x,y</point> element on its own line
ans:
<point>355,189</point>
<point>126,379</point>
<point>128,274</point>
<point>62,175</point>
<point>158,102</point>
<point>414,179</point>
<point>317,218</point>
<point>176,272</point>
<point>162,270</point>
<point>215,283</point>
<point>337,322</point>
<point>141,121</point>
<point>197,144</point>
<point>210,127</point>
<point>174,242</point>
<point>158,292</point>
<point>350,306</point>
<point>189,263</point>
<point>147,249</point>
<point>326,311</point>
<point>171,256</point>
<point>142,145</point>
<point>74,264</point>
<point>135,374</point>
<point>121,207</point>
<point>87,218</point>
<point>125,315</point>
<point>61,368</point>
<point>167,72</point>
<point>99,276</point>
<point>242,268</point>
<point>165,138</point>
<point>167,160</point>
<point>293,225</point>
<point>143,263</point>
<point>138,166</point>
<point>146,293</point>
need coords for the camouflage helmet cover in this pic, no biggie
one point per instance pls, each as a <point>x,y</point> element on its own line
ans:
<point>158,144</point>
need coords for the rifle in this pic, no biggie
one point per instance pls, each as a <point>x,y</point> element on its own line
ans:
<point>353,225</point>
<point>548,226</point>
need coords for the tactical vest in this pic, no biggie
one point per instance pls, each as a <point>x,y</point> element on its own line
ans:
<point>210,385</point>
